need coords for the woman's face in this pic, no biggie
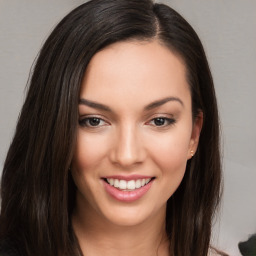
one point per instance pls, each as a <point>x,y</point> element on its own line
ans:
<point>135,132</point>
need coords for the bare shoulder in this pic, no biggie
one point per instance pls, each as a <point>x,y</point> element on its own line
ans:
<point>215,252</point>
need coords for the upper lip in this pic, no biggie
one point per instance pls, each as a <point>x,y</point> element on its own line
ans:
<point>127,178</point>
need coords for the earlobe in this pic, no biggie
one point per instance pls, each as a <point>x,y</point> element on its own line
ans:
<point>195,135</point>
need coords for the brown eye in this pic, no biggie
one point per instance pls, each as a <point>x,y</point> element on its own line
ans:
<point>162,121</point>
<point>94,121</point>
<point>91,122</point>
<point>159,121</point>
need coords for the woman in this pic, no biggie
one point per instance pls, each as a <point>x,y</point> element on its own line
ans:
<point>117,145</point>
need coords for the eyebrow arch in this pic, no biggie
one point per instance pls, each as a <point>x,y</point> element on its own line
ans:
<point>150,106</point>
<point>93,104</point>
<point>161,102</point>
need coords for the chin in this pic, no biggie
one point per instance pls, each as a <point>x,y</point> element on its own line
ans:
<point>128,216</point>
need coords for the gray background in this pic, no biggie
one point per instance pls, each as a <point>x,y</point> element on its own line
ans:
<point>227,29</point>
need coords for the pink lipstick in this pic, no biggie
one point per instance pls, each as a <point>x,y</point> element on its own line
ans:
<point>127,188</point>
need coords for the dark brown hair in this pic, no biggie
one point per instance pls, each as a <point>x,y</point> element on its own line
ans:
<point>38,194</point>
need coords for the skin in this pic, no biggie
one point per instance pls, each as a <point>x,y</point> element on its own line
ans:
<point>126,77</point>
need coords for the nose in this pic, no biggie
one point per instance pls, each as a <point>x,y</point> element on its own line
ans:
<point>128,149</point>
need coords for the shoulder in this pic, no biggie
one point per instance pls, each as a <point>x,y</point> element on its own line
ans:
<point>8,248</point>
<point>214,252</point>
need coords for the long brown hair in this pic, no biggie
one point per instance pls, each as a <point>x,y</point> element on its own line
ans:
<point>37,191</point>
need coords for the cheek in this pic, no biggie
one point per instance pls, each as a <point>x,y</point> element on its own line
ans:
<point>172,163</point>
<point>90,149</point>
<point>88,154</point>
<point>170,156</point>
<point>170,150</point>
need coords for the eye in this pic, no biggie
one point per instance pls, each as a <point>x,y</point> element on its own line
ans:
<point>92,122</point>
<point>162,121</point>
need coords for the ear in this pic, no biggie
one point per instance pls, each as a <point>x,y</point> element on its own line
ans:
<point>196,130</point>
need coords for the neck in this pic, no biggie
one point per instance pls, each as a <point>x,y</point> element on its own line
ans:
<point>97,236</point>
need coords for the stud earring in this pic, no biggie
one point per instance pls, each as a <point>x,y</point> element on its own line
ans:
<point>192,153</point>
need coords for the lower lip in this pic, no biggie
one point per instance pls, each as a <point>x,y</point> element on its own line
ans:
<point>127,196</point>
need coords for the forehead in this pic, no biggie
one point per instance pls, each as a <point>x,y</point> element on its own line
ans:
<point>132,70</point>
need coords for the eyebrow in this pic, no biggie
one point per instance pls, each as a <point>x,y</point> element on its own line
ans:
<point>95,105</point>
<point>150,106</point>
<point>161,102</point>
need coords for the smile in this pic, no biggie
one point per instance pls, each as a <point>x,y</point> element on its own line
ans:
<point>127,189</point>
<point>128,185</point>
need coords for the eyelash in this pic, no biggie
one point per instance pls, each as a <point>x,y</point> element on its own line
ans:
<point>84,122</point>
<point>169,121</point>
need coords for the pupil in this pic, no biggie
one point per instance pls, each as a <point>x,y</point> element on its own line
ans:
<point>94,121</point>
<point>159,121</point>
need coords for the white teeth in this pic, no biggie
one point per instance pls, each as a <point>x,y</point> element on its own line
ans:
<point>116,183</point>
<point>128,185</point>
<point>138,184</point>
<point>122,184</point>
<point>131,184</point>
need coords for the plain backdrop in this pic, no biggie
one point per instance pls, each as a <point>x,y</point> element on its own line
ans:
<point>227,29</point>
